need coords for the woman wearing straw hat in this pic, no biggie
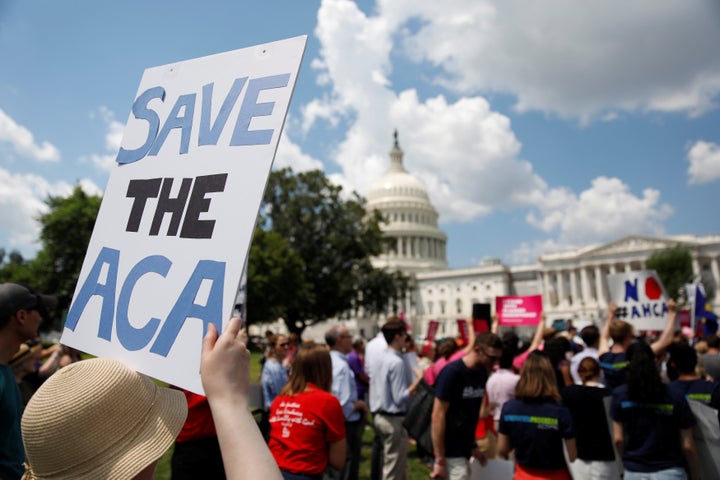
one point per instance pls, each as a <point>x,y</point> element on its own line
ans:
<point>98,419</point>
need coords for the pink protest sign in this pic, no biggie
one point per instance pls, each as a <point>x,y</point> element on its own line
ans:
<point>432,330</point>
<point>463,329</point>
<point>519,311</point>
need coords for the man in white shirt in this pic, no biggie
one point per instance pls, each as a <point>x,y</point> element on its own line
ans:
<point>591,337</point>
<point>339,340</point>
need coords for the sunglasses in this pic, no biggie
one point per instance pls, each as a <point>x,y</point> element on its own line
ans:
<point>491,357</point>
<point>286,344</point>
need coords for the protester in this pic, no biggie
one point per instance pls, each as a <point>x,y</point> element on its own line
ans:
<point>586,402</point>
<point>459,392</point>
<point>590,336</point>
<point>374,351</point>
<point>711,358</point>
<point>21,311</point>
<point>339,340</point>
<point>356,360</point>
<point>683,359</point>
<point>389,399</point>
<point>197,450</point>
<point>501,385</point>
<point>612,358</point>
<point>449,351</point>
<point>307,427</point>
<point>97,419</point>
<point>534,424</point>
<point>652,424</point>
<point>274,375</point>
<point>559,351</point>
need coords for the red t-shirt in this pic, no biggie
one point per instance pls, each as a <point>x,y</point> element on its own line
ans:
<point>301,426</point>
<point>199,423</point>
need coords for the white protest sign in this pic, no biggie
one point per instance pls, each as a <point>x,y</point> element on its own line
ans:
<point>176,221</point>
<point>640,297</point>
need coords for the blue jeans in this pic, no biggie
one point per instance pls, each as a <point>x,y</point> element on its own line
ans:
<point>675,473</point>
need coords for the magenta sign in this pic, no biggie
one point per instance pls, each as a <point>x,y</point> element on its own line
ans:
<point>519,311</point>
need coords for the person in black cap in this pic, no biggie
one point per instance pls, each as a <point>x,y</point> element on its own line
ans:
<point>21,310</point>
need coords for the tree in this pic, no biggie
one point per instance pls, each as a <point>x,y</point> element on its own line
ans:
<point>674,267</point>
<point>329,240</point>
<point>64,234</point>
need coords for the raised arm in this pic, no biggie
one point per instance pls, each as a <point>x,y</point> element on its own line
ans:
<point>666,337</point>
<point>225,371</point>
<point>538,336</point>
<point>604,345</point>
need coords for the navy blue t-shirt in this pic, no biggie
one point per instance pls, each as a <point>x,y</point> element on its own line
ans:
<point>614,367</point>
<point>700,390</point>
<point>652,431</point>
<point>536,430</point>
<point>592,434</point>
<point>464,389</point>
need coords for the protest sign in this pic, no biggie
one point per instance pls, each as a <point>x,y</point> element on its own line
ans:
<point>519,311</point>
<point>177,217</point>
<point>481,317</point>
<point>463,330</point>
<point>433,326</point>
<point>640,298</point>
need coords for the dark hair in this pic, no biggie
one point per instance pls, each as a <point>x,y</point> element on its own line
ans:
<point>590,335</point>
<point>713,341</point>
<point>588,369</point>
<point>488,340</point>
<point>312,364</point>
<point>555,348</point>
<point>643,379</point>
<point>446,347</point>
<point>393,327</point>
<point>509,349</point>
<point>684,357</point>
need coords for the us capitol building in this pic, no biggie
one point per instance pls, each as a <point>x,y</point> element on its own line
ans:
<point>571,282</point>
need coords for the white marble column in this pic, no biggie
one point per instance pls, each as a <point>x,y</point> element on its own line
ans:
<point>599,286</point>
<point>562,301</point>
<point>546,284</point>
<point>628,267</point>
<point>716,275</point>
<point>584,285</point>
<point>613,269</point>
<point>398,249</point>
<point>574,288</point>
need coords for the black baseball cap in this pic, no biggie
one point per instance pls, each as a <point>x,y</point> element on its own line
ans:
<point>14,297</point>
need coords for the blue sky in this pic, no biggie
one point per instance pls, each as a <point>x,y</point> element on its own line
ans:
<point>536,126</point>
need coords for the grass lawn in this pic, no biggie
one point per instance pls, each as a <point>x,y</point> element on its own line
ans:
<point>416,468</point>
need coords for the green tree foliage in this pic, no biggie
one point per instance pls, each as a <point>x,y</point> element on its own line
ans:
<point>674,267</point>
<point>65,232</point>
<point>329,240</point>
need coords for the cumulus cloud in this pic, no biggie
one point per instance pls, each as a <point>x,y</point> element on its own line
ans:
<point>290,155</point>
<point>606,210</point>
<point>113,137</point>
<point>22,201</point>
<point>570,58</point>
<point>583,62</point>
<point>704,158</point>
<point>22,141</point>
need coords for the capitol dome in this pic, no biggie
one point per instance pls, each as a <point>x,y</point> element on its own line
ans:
<point>403,201</point>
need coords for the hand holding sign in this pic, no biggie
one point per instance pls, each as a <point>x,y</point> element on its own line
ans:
<point>225,361</point>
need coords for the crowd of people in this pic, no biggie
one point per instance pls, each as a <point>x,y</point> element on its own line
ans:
<point>601,403</point>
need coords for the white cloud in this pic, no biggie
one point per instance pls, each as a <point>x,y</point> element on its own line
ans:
<point>704,158</point>
<point>290,155</point>
<point>466,154</point>
<point>113,137</point>
<point>22,201</point>
<point>22,141</point>
<point>607,210</point>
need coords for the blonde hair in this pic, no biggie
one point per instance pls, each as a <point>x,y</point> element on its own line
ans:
<point>537,378</point>
<point>312,364</point>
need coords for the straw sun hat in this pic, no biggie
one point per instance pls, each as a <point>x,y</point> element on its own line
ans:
<point>98,419</point>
